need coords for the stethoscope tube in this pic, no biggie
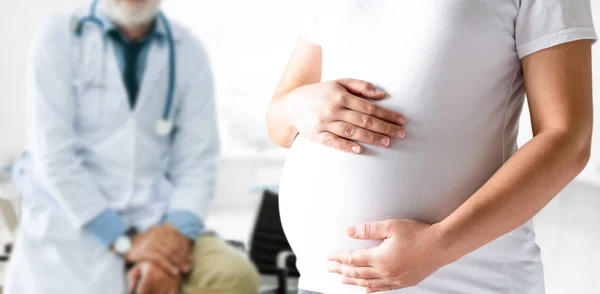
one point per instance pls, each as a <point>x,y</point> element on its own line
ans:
<point>90,18</point>
<point>164,125</point>
<point>172,73</point>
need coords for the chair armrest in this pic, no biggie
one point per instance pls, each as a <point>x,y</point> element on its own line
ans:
<point>282,258</point>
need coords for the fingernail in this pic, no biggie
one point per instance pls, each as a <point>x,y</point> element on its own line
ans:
<point>401,120</point>
<point>401,134</point>
<point>351,231</point>
<point>385,141</point>
<point>379,91</point>
<point>356,149</point>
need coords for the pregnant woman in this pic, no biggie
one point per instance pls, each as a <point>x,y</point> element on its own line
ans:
<point>403,173</point>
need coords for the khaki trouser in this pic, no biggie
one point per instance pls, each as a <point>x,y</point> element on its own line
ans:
<point>220,268</point>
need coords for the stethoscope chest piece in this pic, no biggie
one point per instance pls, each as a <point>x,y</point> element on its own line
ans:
<point>163,127</point>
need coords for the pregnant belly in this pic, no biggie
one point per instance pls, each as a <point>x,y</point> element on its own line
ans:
<point>323,191</point>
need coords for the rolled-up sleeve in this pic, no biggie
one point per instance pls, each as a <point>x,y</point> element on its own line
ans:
<point>54,140</point>
<point>548,23</point>
<point>195,150</point>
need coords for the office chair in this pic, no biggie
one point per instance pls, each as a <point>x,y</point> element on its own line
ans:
<point>269,248</point>
<point>6,256</point>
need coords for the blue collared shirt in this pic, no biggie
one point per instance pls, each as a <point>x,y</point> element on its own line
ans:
<point>108,226</point>
<point>156,34</point>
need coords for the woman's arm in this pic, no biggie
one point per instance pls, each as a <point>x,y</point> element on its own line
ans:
<point>304,68</point>
<point>332,113</point>
<point>558,83</point>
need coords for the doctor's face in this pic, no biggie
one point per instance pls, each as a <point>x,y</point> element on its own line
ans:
<point>131,13</point>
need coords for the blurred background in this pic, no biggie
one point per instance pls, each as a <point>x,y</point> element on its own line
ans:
<point>249,43</point>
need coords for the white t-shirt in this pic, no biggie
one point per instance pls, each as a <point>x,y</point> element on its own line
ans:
<point>453,68</point>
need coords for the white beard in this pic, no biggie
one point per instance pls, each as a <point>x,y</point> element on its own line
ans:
<point>131,15</point>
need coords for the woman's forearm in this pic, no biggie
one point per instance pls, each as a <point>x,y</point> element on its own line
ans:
<point>280,129</point>
<point>304,68</point>
<point>519,189</point>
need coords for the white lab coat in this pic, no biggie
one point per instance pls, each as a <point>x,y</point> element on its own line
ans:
<point>89,151</point>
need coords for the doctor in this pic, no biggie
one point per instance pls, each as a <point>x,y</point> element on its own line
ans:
<point>123,151</point>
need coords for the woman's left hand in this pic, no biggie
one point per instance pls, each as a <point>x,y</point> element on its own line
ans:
<point>411,251</point>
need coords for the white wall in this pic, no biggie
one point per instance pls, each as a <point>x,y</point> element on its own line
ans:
<point>248,54</point>
<point>248,45</point>
<point>18,20</point>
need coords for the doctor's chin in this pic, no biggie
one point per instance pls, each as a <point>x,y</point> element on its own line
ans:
<point>299,147</point>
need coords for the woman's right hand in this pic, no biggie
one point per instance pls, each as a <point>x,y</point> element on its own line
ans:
<point>336,114</point>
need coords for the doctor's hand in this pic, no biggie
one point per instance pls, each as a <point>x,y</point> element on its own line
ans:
<point>148,278</point>
<point>165,246</point>
<point>336,113</point>
<point>410,252</point>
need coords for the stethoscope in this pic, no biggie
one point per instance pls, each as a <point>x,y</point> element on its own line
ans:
<point>164,125</point>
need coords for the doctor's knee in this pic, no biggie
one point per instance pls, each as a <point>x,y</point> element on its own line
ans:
<point>218,268</point>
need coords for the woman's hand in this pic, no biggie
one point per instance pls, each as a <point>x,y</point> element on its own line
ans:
<point>411,251</point>
<point>334,113</point>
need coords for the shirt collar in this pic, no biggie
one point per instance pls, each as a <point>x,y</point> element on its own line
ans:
<point>157,31</point>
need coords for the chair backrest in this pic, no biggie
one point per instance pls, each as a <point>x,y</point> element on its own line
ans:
<point>268,239</point>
